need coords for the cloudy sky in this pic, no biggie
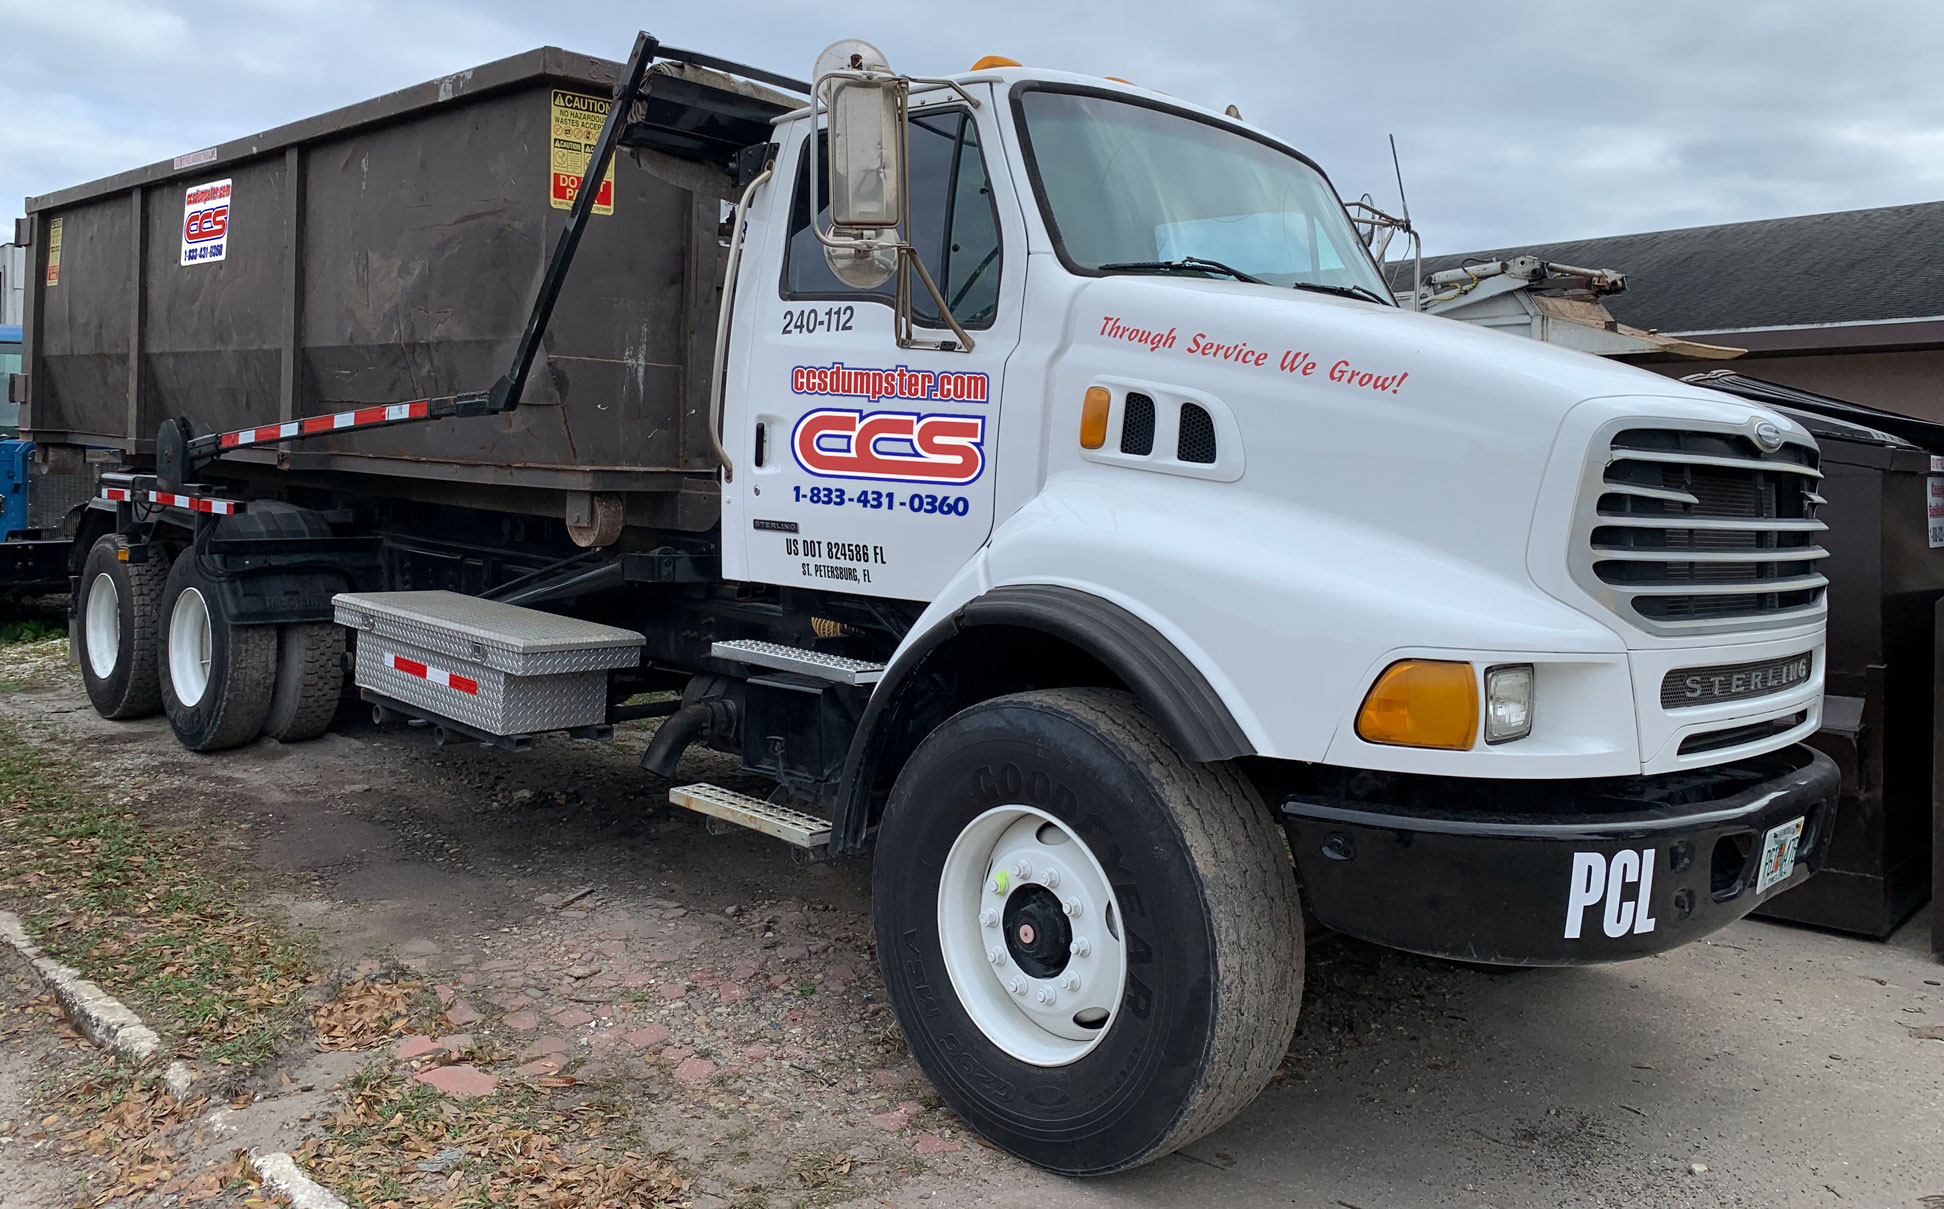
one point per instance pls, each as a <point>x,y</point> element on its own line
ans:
<point>1517,122</point>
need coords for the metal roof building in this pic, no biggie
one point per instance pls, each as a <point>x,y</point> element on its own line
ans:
<point>1849,304</point>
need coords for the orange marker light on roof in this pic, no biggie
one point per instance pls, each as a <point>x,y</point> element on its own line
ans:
<point>996,61</point>
<point>1118,80</point>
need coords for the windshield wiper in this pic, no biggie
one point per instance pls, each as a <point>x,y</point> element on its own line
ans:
<point>1343,291</point>
<point>1188,263</point>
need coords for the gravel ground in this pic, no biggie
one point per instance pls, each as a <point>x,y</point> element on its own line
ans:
<point>571,925</point>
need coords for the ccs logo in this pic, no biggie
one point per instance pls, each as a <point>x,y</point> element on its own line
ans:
<point>902,447</point>
<point>201,226</point>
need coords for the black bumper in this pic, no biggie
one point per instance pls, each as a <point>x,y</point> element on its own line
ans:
<point>34,566</point>
<point>1554,874</point>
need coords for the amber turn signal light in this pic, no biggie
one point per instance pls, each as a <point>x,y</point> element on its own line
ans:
<point>1422,703</point>
<point>1093,417</point>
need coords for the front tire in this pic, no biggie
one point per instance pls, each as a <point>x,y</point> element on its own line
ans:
<point>1200,930</point>
<point>115,631</point>
<point>216,677</point>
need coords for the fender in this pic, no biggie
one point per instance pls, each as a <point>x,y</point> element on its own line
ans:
<point>1197,721</point>
<point>283,589</point>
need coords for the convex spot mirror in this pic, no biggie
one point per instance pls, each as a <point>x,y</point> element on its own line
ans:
<point>865,161</point>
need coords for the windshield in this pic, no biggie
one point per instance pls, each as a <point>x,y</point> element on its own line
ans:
<point>1123,184</point>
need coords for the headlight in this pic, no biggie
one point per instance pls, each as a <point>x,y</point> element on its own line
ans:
<point>1508,702</point>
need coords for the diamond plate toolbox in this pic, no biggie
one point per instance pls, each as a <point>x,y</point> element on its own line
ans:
<point>496,667</point>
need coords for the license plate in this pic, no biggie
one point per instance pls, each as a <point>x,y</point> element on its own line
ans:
<point>1778,854</point>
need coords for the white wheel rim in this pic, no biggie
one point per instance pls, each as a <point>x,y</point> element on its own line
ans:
<point>103,626</point>
<point>189,646</point>
<point>1014,878</point>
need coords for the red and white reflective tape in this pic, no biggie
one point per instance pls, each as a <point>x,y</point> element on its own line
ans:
<point>389,413</point>
<point>412,667</point>
<point>194,503</point>
<point>197,503</point>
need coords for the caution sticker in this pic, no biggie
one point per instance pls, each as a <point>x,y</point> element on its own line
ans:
<point>54,252</point>
<point>1934,509</point>
<point>577,121</point>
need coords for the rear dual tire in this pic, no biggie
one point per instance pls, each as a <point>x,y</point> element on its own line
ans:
<point>217,678</point>
<point>310,681</point>
<point>1192,998</point>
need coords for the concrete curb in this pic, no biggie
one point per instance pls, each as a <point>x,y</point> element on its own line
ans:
<point>101,1017</point>
<point>282,1175</point>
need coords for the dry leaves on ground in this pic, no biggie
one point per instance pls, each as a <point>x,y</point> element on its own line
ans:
<point>140,909</point>
<point>365,1013</point>
<point>400,1143</point>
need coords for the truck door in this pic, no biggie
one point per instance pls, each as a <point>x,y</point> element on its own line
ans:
<point>860,466</point>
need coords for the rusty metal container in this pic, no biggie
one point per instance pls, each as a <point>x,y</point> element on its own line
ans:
<point>391,251</point>
<point>1881,714</point>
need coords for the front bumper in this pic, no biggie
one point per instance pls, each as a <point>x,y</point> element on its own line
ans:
<point>1558,872</point>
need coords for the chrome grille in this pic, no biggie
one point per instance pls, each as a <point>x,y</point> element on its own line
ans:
<point>1693,530</point>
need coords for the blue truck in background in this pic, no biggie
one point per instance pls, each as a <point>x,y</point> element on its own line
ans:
<point>39,502</point>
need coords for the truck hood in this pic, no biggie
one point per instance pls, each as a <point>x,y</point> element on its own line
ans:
<point>1427,428</point>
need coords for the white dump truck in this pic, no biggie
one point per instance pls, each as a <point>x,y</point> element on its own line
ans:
<point>1029,474</point>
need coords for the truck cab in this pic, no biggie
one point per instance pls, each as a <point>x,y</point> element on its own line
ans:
<point>1468,609</point>
<point>1346,484</point>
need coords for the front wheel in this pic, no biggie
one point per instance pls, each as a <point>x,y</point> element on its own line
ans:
<point>1094,947</point>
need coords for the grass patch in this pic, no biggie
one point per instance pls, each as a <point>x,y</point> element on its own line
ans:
<point>142,912</point>
<point>30,629</point>
<point>114,1126</point>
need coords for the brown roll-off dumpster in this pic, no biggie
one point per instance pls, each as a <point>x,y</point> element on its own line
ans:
<point>391,251</point>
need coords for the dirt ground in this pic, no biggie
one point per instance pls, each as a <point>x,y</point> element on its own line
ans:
<point>572,926</point>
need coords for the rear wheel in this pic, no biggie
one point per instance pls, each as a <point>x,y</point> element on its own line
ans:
<point>216,677</point>
<point>310,681</point>
<point>1094,946</point>
<point>116,634</point>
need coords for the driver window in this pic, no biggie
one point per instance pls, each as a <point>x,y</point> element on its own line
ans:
<point>953,224</point>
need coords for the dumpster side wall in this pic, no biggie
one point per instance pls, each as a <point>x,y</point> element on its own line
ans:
<point>384,253</point>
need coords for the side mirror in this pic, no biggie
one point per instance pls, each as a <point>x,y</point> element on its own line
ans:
<point>866,156</point>
<point>865,104</point>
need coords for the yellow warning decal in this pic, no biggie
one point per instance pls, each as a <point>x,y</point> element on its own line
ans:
<point>54,252</point>
<point>577,120</point>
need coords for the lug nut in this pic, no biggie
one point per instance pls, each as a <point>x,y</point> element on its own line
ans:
<point>1051,879</point>
<point>988,917</point>
<point>1017,986</point>
<point>996,956</point>
<point>1071,982</point>
<point>1072,908</point>
<point>1023,869</point>
<point>998,882</point>
<point>1080,947</point>
<point>1046,996</point>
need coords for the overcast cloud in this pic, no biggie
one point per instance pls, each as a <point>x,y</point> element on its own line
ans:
<point>1517,122</point>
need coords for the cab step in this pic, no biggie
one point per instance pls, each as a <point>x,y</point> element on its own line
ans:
<point>791,826</point>
<point>806,662</point>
